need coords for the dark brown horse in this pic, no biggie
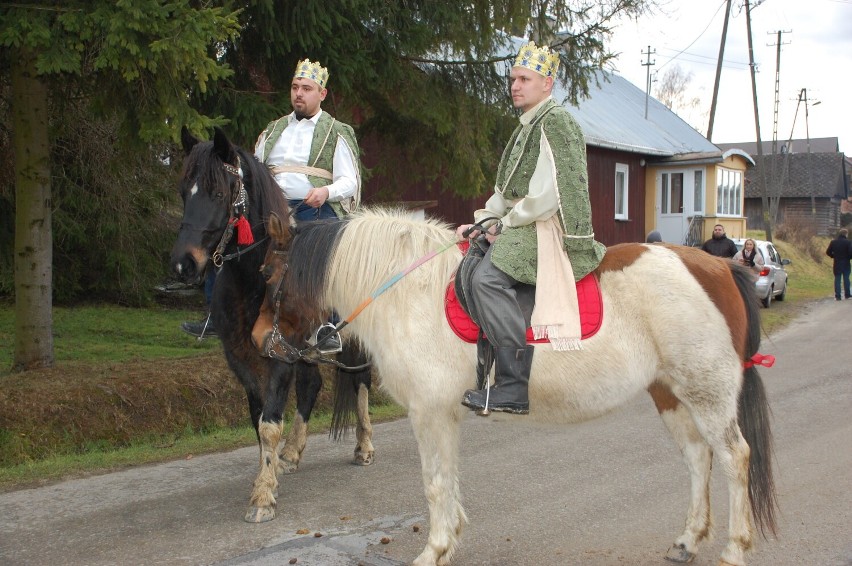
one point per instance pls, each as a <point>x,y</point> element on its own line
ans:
<point>226,192</point>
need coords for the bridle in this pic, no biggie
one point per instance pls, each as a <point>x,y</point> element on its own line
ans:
<point>292,354</point>
<point>238,208</point>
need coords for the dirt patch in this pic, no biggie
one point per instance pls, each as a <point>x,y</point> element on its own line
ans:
<point>80,405</point>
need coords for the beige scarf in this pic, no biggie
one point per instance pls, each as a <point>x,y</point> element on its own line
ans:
<point>556,315</point>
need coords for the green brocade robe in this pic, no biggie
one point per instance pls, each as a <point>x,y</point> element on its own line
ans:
<point>323,145</point>
<point>515,251</point>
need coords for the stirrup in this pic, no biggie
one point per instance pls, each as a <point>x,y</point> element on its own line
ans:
<point>326,339</point>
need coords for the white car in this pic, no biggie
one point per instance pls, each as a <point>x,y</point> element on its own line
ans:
<point>772,281</point>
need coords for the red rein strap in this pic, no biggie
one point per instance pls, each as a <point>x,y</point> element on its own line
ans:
<point>766,361</point>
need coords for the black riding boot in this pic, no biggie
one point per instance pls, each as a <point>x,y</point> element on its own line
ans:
<point>511,381</point>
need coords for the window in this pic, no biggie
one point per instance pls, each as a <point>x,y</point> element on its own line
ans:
<point>698,192</point>
<point>621,171</point>
<point>671,186</point>
<point>729,190</point>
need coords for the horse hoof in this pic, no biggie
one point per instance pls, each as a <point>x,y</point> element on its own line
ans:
<point>679,554</point>
<point>362,459</point>
<point>260,514</point>
<point>288,466</point>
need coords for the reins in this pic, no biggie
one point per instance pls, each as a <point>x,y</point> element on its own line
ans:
<point>294,354</point>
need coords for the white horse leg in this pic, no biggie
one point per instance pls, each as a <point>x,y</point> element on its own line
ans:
<point>262,502</point>
<point>437,434</point>
<point>717,421</point>
<point>698,458</point>
<point>290,450</point>
<point>734,458</point>
<point>364,432</point>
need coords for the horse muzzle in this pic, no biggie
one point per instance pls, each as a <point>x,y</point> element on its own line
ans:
<point>190,267</point>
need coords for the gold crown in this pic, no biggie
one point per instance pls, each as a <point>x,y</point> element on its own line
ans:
<point>312,70</point>
<point>538,59</point>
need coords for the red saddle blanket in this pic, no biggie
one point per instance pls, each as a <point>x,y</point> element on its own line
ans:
<point>588,297</point>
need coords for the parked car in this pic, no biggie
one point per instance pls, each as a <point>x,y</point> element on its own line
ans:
<point>772,280</point>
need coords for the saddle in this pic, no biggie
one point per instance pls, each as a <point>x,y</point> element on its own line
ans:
<point>588,299</point>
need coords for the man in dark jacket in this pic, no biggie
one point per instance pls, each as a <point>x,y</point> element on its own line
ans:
<point>720,244</point>
<point>840,250</point>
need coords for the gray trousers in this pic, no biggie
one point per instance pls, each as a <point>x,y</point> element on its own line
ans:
<point>504,305</point>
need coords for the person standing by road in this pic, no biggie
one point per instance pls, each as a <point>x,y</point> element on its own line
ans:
<point>840,250</point>
<point>750,256</point>
<point>720,244</point>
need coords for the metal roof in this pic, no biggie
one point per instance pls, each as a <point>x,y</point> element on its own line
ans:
<point>817,145</point>
<point>800,175</point>
<point>613,116</point>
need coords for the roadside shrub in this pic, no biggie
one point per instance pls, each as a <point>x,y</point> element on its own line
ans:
<point>801,232</point>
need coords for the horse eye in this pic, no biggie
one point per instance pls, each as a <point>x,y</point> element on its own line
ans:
<point>266,271</point>
<point>220,196</point>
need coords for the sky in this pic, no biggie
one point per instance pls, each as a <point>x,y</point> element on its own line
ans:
<point>816,55</point>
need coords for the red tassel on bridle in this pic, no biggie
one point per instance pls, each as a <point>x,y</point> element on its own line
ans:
<point>244,234</point>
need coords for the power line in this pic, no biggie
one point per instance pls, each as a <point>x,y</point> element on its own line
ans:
<point>709,21</point>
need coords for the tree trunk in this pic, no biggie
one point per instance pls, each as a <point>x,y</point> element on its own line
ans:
<point>33,229</point>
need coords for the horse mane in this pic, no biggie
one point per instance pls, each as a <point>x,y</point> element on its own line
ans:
<point>268,195</point>
<point>361,253</point>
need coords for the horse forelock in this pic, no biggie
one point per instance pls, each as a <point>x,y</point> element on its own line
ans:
<point>202,168</point>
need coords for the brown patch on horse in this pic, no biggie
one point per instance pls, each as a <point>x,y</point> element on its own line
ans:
<point>663,397</point>
<point>714,275</point>
<point>620,256</point>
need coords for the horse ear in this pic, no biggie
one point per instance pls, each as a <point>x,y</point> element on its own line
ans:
<point>222,146</point>
<point>278,231</point>
<point>187,139</point>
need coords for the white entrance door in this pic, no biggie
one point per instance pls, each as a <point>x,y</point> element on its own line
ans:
<point>671,218</point>
<point>680,197</point>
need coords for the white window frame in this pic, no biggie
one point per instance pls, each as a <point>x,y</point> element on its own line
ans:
<point>729,192</point>
<point>622,171</point>
<point>698,195</point>
<point>666,185</point>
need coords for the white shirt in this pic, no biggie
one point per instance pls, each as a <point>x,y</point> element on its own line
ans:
<point>294,148</point>
<point>541,201</point>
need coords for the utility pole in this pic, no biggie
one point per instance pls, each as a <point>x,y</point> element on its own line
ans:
<point>774,174</point>
<point>764,198</point>
<point>804,94</point>
<point>777,88</point>
<point>718,72</point>
<point>648,64</point>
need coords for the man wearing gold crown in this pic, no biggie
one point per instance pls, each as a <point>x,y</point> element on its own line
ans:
<point>539,224</point>
<point>313,157</point>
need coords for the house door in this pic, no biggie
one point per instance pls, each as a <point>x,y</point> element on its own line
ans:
<point>671,220</point>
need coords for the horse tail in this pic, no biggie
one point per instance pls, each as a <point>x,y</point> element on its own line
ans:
<point>344,406</point>
<point>754,415</point>
<point>346,386</point>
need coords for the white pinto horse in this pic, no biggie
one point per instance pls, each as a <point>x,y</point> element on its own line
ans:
<point>678,323</point>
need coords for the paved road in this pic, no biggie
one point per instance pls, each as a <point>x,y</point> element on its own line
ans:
<point>608,492</point>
